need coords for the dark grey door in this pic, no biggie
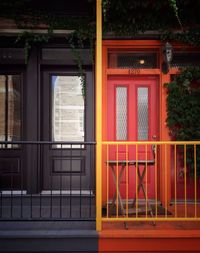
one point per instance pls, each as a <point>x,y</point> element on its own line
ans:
<point>12,173</point>
<point>67,120</point>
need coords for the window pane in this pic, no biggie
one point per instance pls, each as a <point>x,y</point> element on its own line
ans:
<point>131,59</point>
<point>142,113</point>
<point>121,113</point>
<point>67,109</point>
<point>10,107</point>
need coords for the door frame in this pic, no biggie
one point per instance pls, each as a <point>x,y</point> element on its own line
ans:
<point>149,46</point>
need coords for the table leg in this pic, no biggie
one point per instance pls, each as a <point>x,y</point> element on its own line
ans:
<point>141,185</point>
<point>118,188</point>
<point>141,177</point>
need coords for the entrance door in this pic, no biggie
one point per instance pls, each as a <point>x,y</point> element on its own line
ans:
<point>133,116</point>
<point>65,118</point>
<point>12,172</point>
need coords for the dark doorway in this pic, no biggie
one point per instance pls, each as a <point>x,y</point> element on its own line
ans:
<point>67,120</point>
<point>43,106</point>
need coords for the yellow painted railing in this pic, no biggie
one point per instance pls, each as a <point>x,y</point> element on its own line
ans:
<point>98,71</point>
<point>150,181</point>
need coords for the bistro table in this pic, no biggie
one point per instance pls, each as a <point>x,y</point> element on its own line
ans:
<point>141,175</point>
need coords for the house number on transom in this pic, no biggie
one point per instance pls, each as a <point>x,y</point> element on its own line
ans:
<point>134,71</point>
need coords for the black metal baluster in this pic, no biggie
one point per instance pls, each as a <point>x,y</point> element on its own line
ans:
<point>80,188</point>
<point>51,190</point>
<point>61,163</point>
<point>94,178</point>
<point>21,178</point>
<point>11,192</point>
<point>31,200</point>
<point>41,147</point>
<point>1,198</point>
<point>1,189</point>
<point>70,183</point>
<point>90,179</point>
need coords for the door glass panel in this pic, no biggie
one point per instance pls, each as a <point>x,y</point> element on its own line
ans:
<point>10,108</point>
<point>121,113</point>
<point>68,109</point>
<point>142,110</point>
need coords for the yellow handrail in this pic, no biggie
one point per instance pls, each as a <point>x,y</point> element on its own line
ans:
<point>174,155</point>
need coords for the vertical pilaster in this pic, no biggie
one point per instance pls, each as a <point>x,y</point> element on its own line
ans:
<point>98,114</point>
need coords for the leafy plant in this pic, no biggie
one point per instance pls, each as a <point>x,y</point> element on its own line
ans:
<point>183,111</point>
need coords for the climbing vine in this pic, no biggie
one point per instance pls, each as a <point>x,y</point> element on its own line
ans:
<point>120,18</point>
<point>173,4</point>
<point>183,110</point>
<point>31,39</point>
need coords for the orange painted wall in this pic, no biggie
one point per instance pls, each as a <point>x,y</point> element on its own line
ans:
<point>143,45</point>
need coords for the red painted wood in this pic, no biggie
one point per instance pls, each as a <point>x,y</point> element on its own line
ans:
<point>132,84</point>
<point>149,244</point>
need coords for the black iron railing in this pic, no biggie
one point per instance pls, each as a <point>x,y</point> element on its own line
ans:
<point>44,180</point>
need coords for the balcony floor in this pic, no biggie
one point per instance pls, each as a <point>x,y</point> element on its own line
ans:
<point>143,236</point>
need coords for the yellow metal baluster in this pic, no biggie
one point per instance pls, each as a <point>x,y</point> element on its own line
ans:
<point>107,179</point>
<point>175,188</point>
<point>195,181</point>
<point>136,181</point>
<point>156,183</point>
<point>127,180</point>
<point>146,177</point>
<point>117,183</point>
<point>185,181</point>
<point>166,188</point>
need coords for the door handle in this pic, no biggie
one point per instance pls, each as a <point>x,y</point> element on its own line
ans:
<point>154,136</point>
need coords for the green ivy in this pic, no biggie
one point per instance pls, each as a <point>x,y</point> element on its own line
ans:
<point>123,18</point>
<point>183,111</point>
<point>173,4</point>
<point>31,39</point>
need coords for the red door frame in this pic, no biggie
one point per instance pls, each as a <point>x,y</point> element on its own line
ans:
<point>141,45</point>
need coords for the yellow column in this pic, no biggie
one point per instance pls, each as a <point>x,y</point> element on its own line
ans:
<point>98,114</point>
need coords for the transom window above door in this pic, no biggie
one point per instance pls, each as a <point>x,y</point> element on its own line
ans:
<point>128,59</point>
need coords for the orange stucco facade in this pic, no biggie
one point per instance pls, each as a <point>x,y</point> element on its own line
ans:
<point>163,135</point>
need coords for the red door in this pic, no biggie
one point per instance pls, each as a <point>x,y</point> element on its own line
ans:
<point>133,116</point>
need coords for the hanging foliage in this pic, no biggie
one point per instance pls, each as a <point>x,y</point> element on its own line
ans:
<point>125,19</point>
<point>183,111</point>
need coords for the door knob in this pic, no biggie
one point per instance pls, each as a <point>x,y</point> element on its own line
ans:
<point>154,136</point>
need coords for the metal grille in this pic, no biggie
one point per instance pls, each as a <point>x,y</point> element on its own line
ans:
<point>137,60</point>
<point>184,59</point>
<point>121,113</point>
<point>69,191</point>
<point>142,113</point>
